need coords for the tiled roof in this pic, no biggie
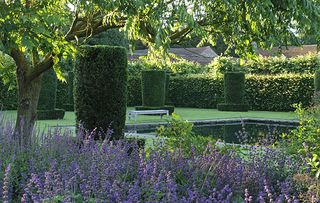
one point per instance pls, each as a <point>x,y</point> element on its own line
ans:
<point>202,55</point>
<point>290,51</point>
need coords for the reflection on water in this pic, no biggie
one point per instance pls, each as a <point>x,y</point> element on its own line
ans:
<point>239,133</point>
<point>248,133</point>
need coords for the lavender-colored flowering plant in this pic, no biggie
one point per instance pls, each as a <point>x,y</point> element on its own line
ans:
<point>57,167</point>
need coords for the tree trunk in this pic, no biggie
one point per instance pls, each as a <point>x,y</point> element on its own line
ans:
<point>28,96</point>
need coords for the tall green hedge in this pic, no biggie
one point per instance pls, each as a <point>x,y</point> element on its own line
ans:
<point>153,88</point>
<point>268,93</point>
<point>317,81</point>
<point>48,94</point>
<point>234,87</point>
<point>100,88</point>
<point>47,98</point>
<point>199,91</point>
<point>234,92</point>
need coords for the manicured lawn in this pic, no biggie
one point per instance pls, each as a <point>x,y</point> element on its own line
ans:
<point>185,113</point>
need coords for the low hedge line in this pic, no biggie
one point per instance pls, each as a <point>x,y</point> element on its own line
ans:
<point>270,93</point>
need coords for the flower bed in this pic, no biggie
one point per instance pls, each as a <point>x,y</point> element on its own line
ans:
<point>60,168</point>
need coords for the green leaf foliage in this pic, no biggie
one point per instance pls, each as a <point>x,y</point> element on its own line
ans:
<point>153,88</point>
<point>100,84</point>
<point>266,65</point>
<point>7,70</point>
<point>179,135</point>
<point>305,141</point>
<point>234,88</point>
<point>269,93</point>
<point>48,92</point>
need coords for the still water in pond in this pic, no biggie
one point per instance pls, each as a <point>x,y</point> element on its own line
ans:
<point>248,133</point>
<point>244,133</point>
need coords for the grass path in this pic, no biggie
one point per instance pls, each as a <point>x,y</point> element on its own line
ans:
<point>185,113</point>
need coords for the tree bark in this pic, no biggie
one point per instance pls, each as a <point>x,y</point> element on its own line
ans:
<point>28,96</point>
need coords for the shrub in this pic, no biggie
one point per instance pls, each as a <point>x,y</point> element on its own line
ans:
<point>277,65</point>
<point>269,93</point>
<point>178,66</point>
<point>47,98</point>
<point>305,140</point>
<point>317,81</point>
<point>70,105</point>
<point>234,87</point>
<point>179,135</point>
<point>101,88</point>
<point>234,92</point>
<point>222,64</point>
<point>62,94</point>
<point>279,92</point>
<point>8,99</point>
<point>153,88</point>
<point>198,91</point>
<point>134,91</point>
<point>266,65</point>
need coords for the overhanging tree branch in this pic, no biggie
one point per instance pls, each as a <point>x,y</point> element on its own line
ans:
<point>41,67</point>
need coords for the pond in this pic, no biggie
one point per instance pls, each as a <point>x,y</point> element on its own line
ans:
<point>240,131</point>
<point>247,133</point>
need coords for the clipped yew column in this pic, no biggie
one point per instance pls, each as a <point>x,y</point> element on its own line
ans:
<point>153,86</point>
<point>47,100</point>
<point>234,92</point>
<point>100,89</point>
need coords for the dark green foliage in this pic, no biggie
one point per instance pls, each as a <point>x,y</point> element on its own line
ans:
<point>100,88</point>
<point>70,105</point>
<point>234,87</point>
<point>198,91</point>
<point>112,37</point>
<point>47,98</point>
<point>279,92</point>
<point>8,97</point>
<point>65,93</point>
<point>167,101</point>
<point>268,93</point>
<point>167,107</point>
<point>50,114</point>
<point>317,81</point>
<point>62,95</point>
<point>153,85</point>
<point>134,91</point>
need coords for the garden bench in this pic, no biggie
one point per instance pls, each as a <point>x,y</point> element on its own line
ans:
<point>135,113</point>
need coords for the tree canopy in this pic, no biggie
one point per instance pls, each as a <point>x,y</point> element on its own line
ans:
<point>38,33</point>
<point>42,30</point>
